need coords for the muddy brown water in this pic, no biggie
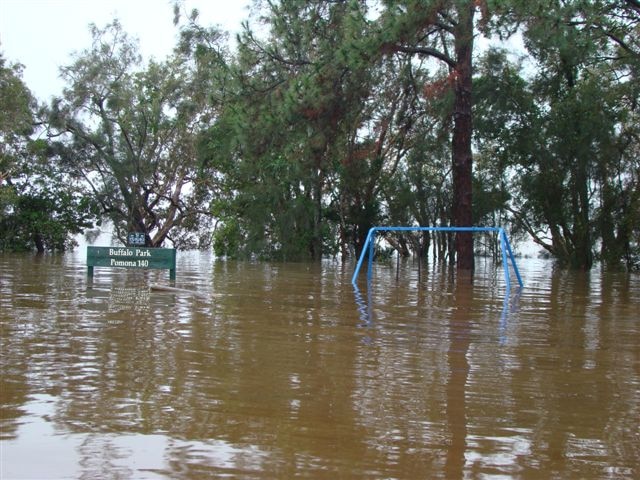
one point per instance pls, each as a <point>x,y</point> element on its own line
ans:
<point>286,370</point>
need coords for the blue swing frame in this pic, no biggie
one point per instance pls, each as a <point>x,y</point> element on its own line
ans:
<point>507,253</point>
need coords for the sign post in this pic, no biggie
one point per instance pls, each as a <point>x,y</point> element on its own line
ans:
<point>132,257</point>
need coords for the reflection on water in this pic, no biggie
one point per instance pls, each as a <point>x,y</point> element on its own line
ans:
<point>129,298</point>
<point>283,370</point>
<point>115,455</point>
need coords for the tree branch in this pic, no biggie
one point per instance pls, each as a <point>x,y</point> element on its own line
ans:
<point>634,4</point>
<point>428,51</point>
<point>621,43</point>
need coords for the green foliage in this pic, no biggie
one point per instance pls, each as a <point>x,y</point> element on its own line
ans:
<point>130,134</point>
<point>290,107</point>
<point>44,221</point>
<point>561,136</point>
<point>332,117</point>
<point>16,120</point>
<point>39,209</point>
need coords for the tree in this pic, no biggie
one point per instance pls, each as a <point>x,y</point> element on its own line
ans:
<point>381,132</point>
<point>296,90</point>
<point>444,31</point>
<point>336,118</point>
<point>16,125</point>
<point>323,121</point>
<point>39,208</point>
<point>577,180</point>
<point>130,135</point>
<point>505,128</point>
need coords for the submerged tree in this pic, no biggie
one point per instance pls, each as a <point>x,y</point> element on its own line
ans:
<point>444,32</point>
<point>575,168</point>
<point>323,124</point>
<point>39,207</point>
<point>130,135</point>
<point>337,116</point>
<point>296,89</point>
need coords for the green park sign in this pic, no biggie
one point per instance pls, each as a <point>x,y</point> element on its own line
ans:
<point>132,257</point>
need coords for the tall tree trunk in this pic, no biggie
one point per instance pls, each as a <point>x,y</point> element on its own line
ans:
<point>39,242</point>
<point>462,130</point>
<point>316,239</point>
<point>583,253</point>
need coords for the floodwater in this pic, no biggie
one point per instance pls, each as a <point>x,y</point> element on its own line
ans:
<point>285,370</point>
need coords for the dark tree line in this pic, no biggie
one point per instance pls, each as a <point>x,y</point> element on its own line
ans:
<point>330,117</point>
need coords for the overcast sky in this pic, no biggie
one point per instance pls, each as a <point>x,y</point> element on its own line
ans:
<point>41,34</point>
